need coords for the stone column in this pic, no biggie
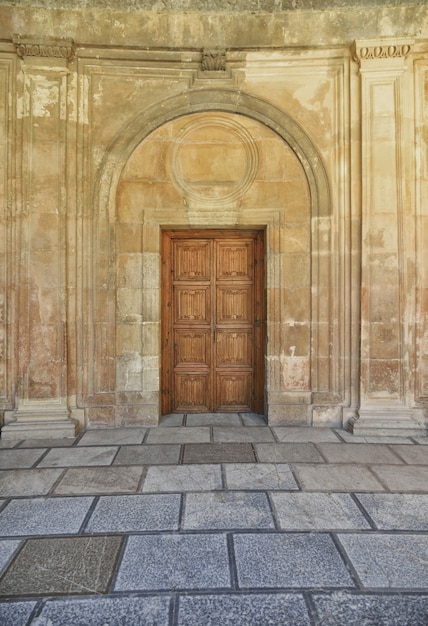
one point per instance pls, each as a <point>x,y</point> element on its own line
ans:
<point>387,285</point>
<point>42,409</point>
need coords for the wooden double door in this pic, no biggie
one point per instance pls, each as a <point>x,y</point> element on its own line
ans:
<point>212,321</point>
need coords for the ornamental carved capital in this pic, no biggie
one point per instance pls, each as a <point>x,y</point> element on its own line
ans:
<point>44,47</point>
<point>378,49</point>
<point>213,61</point>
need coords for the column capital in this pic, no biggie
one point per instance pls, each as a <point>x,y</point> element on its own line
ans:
<point>365,52</point>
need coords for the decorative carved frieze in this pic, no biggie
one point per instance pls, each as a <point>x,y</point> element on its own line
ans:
<point>53,48</point>
<point>381,49</point>
<point>213,61</point>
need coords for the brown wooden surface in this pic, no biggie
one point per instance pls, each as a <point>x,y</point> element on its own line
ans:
<point>212,321</point>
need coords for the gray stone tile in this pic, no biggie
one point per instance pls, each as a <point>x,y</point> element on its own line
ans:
<point>350,438</point>
<point>304,434</point>
<point>8,547</point>
<point>67,565</point>
<point>16,613</point>
<point>148,455</point>
<point>72,457</point>
<point>124,514</point>
<point>259,476</point>
<point>120,611</point>
<point>359,453</point>
<point>112,436</point>
<point>19,459</point>
<point>65,442</point>
<point>213,419</point>
<point>336,478</point>
<point>167,478</point>
<point>175,419</point>
<point>8,444</point>
<point>288,453</point>
<point>243,610</point>
<point>370,610</point>
<point>36,482</point>
<point>224,510</point>
<point>397,511</point>
<point>43,516</point>
<point>218,453</point>
<point>179,435</point>
<point>389,561</point>
<point>317,511</point>
<point>170,562</point>
<point>413,455</point>
<point>97,480</point>
<point>242,434</point>
<point>252,419</point>
<point>422,441</point>
<point>402,478</point>
<point>295,560</point>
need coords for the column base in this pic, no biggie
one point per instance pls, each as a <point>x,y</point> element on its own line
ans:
<point>384,422</point>
<point>37,424</point>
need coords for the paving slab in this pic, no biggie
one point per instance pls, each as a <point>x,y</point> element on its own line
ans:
<point>422,441</point>
<point>173,562</point>
<point>170,478</point>
<point>317,511</point>
<point>396,511</point>
<point>388,561</point>
<point>165,454</point>
<point>175,419</point>
<point>112,436</point>
<point>336,478</point>
<point>8,547</point>
<point>124,514</point>
<point>288,453</point>
<point>243,610</point>
<point>350,438</point>
<point>68,565</point>
<point>72,457</point>
<point>242,434</point>
<point>252,419</point>
<point>120,611</point>
<point>218,453</point>
<point>65,442</point>
<point>19,459</point>
<point>35,482</point>
<point>213,419</point>
<point>99,480</point>
<point>43,516</point>
<point>413,455</point>
<point>405,478</point>
<point>349,609</point>
<point>362,453</point>
<point>179,435</point>
<point>288,561</point>
<point>224,510</point>
<point>304,434</point>
<point>259,476</point>
<point>16,613</point>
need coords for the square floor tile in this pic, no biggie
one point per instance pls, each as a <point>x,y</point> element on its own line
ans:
<point>77,565</point>
<point>218,453</point>
<point>295,560</point>
<point>16,459</point>
<point>259,476</point>
<point>16,613</point>
<point>124,514</point>
<point>288,453</point>
<point>112,436</point>
<point>8,547</point>
<point>242,434</point>
<point>71,457</point>
<point>402,477</point>
<point>336,478</point>
<point>179,435</point>
<point>167,478</point>
<point>317,511</point>
<point>224,510</point>
<point>359,453</point>
<point>43,516</point>
<point>396,511</point>
<point>148,455</point>
<point>413,455</point>
<point>120,611</point>
<point>389,561</point>
<point>97,480</point>
<point>304,434</point>
<point>243,610</point>
<point>172,562</point>
<point>213,419</point>
<point>36,482</point>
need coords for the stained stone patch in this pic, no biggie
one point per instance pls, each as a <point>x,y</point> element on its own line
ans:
<point>16,459</point>
<point>402,478</point>
<point>223,510</point>
<point>336,478</point>
<point>98,480</point>
<point>243,610</point>
<point>36,482</point>
<point>170,562</point>
<point>252,419</point>
<point>397,511</point>
<point>135,513</point>
<point>213,419</point>
<point>42,516</point>
<point>317,511</point>
<point>16,613</point>
<point>7,550</point>
<point>68,457</point>
<point>112,436</point>
<point>413,455</point>
<point>179,435</point>
<point>288,453</point>
<point>370,610</point>
<point>218,453</point>
<point>166,478</point>
<point>303,434</point>
<point>259,476</point>
<point>242,434</point>
<point>121,611</point>
<point>359,453</point>
<point>294,560</point>
<point>148,455</point>
<point>76,565</point>
<point>389,561</point>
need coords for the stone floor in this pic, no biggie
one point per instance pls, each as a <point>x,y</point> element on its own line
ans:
<point>214,520</point>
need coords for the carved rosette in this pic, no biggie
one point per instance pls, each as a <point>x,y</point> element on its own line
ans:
<point>213,61</point>
<point>381,49</point>
<point>51,48</point>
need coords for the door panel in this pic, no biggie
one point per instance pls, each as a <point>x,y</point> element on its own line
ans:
<point>212,321</point>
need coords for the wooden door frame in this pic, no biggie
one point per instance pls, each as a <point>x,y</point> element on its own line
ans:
<point>259,325</point>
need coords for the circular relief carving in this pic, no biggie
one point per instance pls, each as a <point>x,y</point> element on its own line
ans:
<point>213,159</point>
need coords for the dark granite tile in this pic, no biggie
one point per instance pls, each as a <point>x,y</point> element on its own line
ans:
<point>16,613</point>
<point>218,453</point>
